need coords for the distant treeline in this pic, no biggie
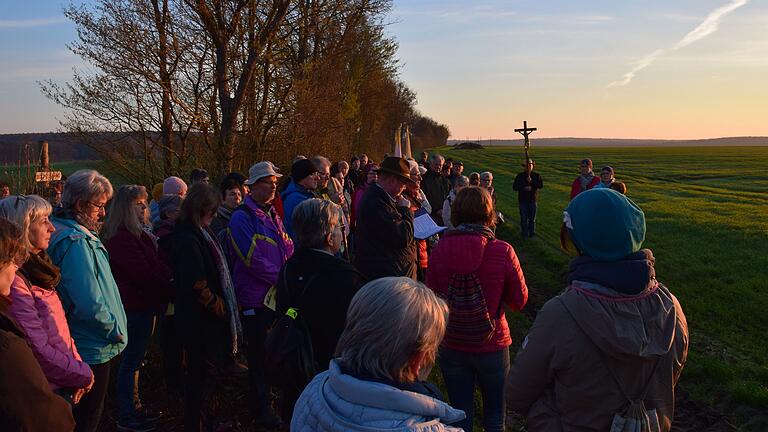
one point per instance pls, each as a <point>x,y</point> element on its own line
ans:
<point>619,142</point>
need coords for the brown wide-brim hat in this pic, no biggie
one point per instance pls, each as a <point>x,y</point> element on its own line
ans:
<point>396,166</point>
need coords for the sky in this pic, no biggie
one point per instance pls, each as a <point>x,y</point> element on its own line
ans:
<point>674,69</point>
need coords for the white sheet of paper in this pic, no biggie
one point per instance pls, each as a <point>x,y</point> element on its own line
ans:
<point>424,227</point>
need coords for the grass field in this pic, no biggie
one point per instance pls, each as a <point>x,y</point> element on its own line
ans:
<point>707,224</point>
<point>9,173</point>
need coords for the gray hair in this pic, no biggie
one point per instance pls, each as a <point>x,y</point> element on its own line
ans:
<point>388,322</point>
<point>486,174</point>
<point>313,220</point>
<point>23,210</point>
<point>462,181</point>
<point>437,157</point>
<point>85,185</point>
<point>320,162</point>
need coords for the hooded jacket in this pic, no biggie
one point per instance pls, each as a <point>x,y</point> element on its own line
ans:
<point>562,382</point>
<point>336,402</point>
<point>495,263</point>
<point>292,196</point>
<point>88,292</point>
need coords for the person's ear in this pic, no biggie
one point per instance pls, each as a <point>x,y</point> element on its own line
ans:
<point>414,365</point>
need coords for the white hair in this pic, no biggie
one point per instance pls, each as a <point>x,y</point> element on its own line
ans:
<point>85,185</point>
<point>389,321</point>
<point>24,210</point>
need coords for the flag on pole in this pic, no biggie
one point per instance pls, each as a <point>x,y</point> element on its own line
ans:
<point>408,153</point>
<point>398,148</point>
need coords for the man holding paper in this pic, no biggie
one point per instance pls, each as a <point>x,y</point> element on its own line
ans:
<point>384,233</point>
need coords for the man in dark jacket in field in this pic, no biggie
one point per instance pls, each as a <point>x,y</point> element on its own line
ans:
<point>385,225</point>
<point>527,185</point>
<point>436,187</point>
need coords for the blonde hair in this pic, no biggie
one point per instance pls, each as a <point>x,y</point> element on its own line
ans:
<point>23,210</point>
<point>122,212</point>
<point>389,321</point>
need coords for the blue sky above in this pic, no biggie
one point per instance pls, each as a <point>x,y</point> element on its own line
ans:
<point>482,67</point>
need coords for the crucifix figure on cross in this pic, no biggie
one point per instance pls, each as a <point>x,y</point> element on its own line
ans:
<point>525,131</point>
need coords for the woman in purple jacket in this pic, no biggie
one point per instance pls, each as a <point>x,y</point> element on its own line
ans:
<point>35,304</point>
<point>144,284</point>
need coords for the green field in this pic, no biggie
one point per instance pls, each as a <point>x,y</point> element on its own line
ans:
<point>9,173</point>
<point>707,224</point>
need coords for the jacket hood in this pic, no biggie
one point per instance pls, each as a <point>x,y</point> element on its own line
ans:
<point>465,249</point>
<point>622,325</point>
<point>364,405</point>
<point>631,275</point>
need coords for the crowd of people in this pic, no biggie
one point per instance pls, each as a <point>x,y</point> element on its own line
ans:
<point>313,287</point>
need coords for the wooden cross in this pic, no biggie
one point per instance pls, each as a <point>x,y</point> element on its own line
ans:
<point>525,131</point>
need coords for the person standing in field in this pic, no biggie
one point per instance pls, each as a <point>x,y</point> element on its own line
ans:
<point>607,177</point>
<point>36,306</point>
<point>384,232</point>
<point>527,185</point>
<point>259,247</point>
<point>436,187</point>
<point>88,291</point>
<point>586,180</point>
<point>5,190</point>
<point>615,332</point>
<point>461,182</point>
<point>144,282</point>
<point>478,275</point>
<point>26,400</point>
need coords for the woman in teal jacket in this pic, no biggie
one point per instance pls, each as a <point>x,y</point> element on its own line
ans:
<point>88,291</point>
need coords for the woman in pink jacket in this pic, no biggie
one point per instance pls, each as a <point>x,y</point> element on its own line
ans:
<point>478,275</point>
<point>36,306</point>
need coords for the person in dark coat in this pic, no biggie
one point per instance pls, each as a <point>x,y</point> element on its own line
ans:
<point>384,230</point>
<point>26,400</point>
<point>436,187</point>
<point>144,283</point>
<point>206,310</point>
<point>317,283</point>
<point>527,185</point>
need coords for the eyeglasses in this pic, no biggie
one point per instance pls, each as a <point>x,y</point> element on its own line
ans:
<point>98,206</point>
<point>268,182</point>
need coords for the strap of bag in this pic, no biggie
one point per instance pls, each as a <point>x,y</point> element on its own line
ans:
<point>604,361</point>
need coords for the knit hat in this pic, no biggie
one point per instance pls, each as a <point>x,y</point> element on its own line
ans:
<point>157,191</point>
<point>605,224</point>
<point>168,203</point>
<point>302,169</point>
<point>174,186</point>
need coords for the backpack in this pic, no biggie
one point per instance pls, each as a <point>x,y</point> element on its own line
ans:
<point>469,322</point>
<point>633,417</point>
<point>289,360</point>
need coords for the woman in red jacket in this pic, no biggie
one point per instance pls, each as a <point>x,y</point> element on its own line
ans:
<point>477,274</point>
<point>144,284</point>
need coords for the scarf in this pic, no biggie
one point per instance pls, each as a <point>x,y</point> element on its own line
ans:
<point>41,271</point>
<point>93,225</point>
<point>227,287</point>
<point>630,275</point>
<point>586,180</point>
<point>473,228</point>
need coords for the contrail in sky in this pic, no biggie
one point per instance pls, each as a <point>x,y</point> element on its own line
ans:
<point>706,28</point>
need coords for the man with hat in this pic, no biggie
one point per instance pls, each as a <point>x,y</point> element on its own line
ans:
<point>384,232</point>
<point>586,180</point>
<point>527,185</point>
<point>259,247</point>
<point>607,177</point>
<point>304,180</point>
<point>457,169</point>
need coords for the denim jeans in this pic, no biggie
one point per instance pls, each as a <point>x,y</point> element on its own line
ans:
<point>140,327</point>
<point>461,370</point>
<point>528,218</point>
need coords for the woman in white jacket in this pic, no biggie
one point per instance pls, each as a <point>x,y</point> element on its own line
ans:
<point>394,326</point>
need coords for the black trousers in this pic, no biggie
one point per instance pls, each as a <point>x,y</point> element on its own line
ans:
<point>172,346</point>
<point>88,412</point>
<point>255,328</point>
